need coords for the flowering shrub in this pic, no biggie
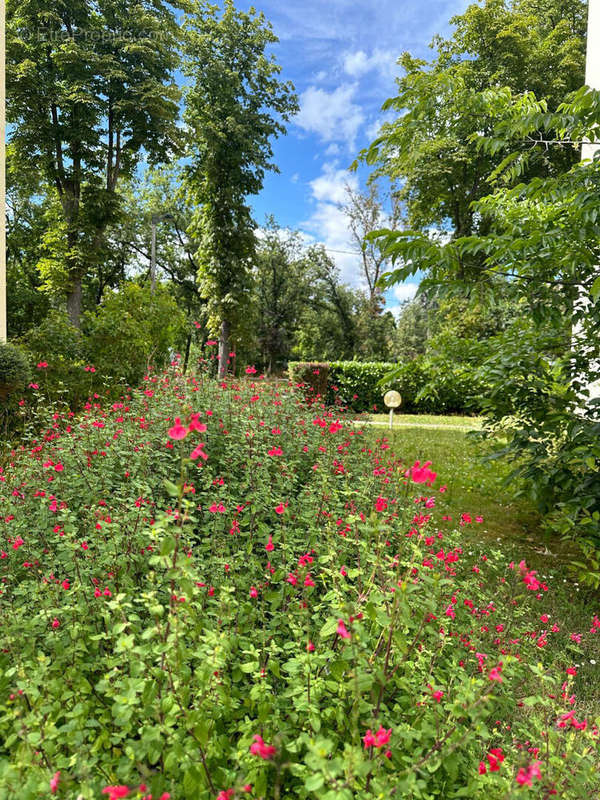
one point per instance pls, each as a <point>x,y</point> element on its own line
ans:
<point>209,590</point>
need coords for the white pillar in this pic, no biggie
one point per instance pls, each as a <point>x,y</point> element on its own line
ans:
<point>588,149</point>
<point>2,180</point>
<point>592,63</point>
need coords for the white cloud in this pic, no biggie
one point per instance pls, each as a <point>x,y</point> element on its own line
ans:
<point>405,291</point>
<point>328,225</point>
<point>332,115</point>
<point>330,186</point>
<point>358,63</point>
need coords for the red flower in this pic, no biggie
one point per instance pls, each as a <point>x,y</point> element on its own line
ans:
<point>378,739</point>
<point>342,630</point>
<point>250,370</point>
<point>115,792</point>
<point>54,780</point>
<point>178,431</point>
<point>259,748</point>
<point>421,474</point>
<point>198,452</point>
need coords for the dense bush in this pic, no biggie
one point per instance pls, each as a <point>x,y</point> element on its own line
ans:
<point>428,384</point>
<point>56,351</point>
<point>129,333</point>
<point>14,369</point>
<point>313,376</point>
<point>132,331</point>
<point>212,591</point>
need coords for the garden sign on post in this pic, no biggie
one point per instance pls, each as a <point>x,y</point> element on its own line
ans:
<point>392,400</point>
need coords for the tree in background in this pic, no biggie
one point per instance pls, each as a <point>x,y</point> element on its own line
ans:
<point>281,288</point>
<point>89,89</point>
<point>367,212</point>
<point>525,45</point>
<point>235,105</point>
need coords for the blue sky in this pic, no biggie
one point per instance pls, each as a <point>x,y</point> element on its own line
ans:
<point>341,56</point>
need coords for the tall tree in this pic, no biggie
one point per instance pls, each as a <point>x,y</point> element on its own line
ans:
<point>281,290</point>
<point>366,213</point>
<point>526,45</point>
<point>90,89</point>
<point>235,106</point>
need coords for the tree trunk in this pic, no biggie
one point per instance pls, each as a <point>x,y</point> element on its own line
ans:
<point>187,353</point>
<point>74,303</point>
<point>224,347</point>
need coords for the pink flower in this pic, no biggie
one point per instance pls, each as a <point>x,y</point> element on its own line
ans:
<point>55,623</point>
<point>250,370</point>
<point>378,739</point>
<point>259,748</point>
<point>115,792</point>
<point>54,781</point>
<point>269,545</point>
<point>341,630</point>
<point>198,452</point>
<point>280,509</point>
<point>369,739</point>
<point>495,758</point>
<point>225,794</point>
<point>494,673</point>
<point>421,474</point>
<point>310,647</point>
<point>195,425</point>
<point>524,776</point>
<point>383,736</point>
<point>253,592</point>
<point>482,768</point>
<point>211,343</point>
<point>178,431</point>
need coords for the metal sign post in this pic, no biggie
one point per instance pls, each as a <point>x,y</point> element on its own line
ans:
<point>392,399</point>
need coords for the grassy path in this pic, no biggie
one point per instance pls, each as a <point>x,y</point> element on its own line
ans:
<point>509,525</point>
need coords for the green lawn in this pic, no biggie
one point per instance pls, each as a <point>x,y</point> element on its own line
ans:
<point>510,526</point>
<point>424,420</point>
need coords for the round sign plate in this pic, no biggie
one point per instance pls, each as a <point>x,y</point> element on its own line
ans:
<point>392,399</point>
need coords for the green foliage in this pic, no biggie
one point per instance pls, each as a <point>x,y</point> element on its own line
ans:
<point>282,286</point>
<point>14,369</point>
<point>427,385</point>
<point>235,105</point>
<point>132,332</point>
<point>156,617</point>
<point>540,366</point>
<point>89,89</point>
<point>60,346</point>
<point>441,105</point>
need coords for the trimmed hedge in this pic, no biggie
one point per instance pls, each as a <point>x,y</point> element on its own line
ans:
<point>427,385</point>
